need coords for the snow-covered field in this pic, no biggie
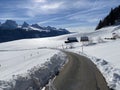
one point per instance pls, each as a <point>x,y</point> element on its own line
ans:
<point>28,59</point>
<point>17,57</point>
<point>18,62</point>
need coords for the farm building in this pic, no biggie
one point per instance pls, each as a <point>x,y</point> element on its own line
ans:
<point>84,39</point>
<point>71,40</point>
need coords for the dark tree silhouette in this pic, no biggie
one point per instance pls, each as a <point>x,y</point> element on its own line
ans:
<point>111,19</point>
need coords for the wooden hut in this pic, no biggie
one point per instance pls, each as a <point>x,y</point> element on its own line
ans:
<point>84,39</point>
<point>71,40</point>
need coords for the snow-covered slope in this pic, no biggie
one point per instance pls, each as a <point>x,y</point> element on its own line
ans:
<point>109,51</point>
<point>18,62</point>
<point>27,60</point>
<point>28,52</point>
<point>104,53</point>
<point>106,49</point>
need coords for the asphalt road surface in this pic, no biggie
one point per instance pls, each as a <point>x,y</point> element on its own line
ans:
<point>79,74</point>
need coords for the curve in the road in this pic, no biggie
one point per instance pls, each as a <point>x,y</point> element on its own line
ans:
<point>79,73</point>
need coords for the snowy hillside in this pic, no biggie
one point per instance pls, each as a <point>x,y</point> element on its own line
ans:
<point>18,62</point>
<point>104,53</point>
<point>28,53</point>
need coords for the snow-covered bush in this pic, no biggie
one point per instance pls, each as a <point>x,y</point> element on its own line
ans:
<point>100,40</point>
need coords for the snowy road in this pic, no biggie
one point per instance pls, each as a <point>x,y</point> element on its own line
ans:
<point>79,74</point>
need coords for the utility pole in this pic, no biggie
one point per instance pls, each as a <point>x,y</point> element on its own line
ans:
<point>82,48</point>
<point>63,46</point>
<point>84,39</point>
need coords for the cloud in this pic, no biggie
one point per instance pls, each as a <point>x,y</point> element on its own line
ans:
<point>46,8</point>
<point>81,13</point>
<point>14,18</point>
<point>49,20</point>
<point>81,29</point>
<point>52,6</point>
<point>67,13</point>
<point>39,1</point>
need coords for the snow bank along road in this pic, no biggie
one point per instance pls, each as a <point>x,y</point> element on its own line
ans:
<point>79,74</point>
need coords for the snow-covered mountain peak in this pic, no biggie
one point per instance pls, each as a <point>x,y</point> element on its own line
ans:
<point>37,26</point>
<point>50,28</point>
<point>9,24</point>
<point>25,24</point>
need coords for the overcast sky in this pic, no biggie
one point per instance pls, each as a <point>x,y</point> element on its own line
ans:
<point>59,13</point>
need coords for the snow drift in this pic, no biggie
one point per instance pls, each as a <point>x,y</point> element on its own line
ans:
<point>37,77</point>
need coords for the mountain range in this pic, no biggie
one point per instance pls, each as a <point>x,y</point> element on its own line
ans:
<point>10,30</point>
